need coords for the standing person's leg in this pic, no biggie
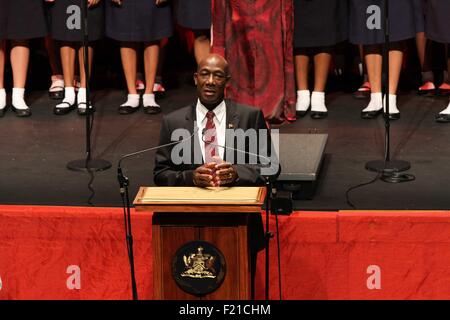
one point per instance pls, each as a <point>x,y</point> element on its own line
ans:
<point>444,88</point>
<point>322,62</point>
<point>56,90</point>
<point>202,44</point>
<point>81,96</point>
<point>128,53</point>
<point>151,55</point>
<point>427,77</point>
<point>301,76</point>
<point>20,56</point>
<point>363,92</point>
<point>444,115</point>
<point>395,67</point>
<point>374,62</point>
<point>158,88</point>
<point>68,54</point>
<point>2,80</point>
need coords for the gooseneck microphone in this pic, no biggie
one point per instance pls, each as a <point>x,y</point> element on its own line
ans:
<point>124,183</point>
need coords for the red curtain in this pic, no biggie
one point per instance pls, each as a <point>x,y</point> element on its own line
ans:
<point>256,37</point>
<point>324,255</point>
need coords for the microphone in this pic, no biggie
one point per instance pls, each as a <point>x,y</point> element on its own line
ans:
<point>122,178</point>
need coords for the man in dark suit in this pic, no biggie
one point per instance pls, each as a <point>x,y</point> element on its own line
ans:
<point>208,164</point>
<point>215,165</point>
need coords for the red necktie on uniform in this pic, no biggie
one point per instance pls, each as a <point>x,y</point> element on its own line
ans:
<point>210,138</point>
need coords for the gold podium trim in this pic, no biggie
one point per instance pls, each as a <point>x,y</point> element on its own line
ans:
<point>173,199</point>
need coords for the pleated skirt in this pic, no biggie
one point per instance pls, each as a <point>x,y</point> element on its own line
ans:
<point>22,19</point>
<point>406,20</point>
<point>438,20</point>
<point>138,21</point>
<point>66,18</point>
<point>193,14</point>
<point>320,23</point>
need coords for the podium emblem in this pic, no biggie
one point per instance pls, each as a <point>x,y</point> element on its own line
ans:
<point>198,268</point>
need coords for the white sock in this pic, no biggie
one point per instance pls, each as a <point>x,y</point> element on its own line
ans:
<point>18,100</point>
<point>303,100</point>
<point>81,96</point>
<point>69,97</point>
<point>446,110</point>
<point>392,104</point>
<point>318,102</point>
<point>376,102</point>
<point>2,98</point>
<point>132,101</point>
<point>148,100</point>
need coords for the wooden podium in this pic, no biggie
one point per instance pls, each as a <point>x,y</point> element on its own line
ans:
<point>218,216</point>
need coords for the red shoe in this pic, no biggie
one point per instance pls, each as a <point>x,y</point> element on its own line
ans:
<point>427,88</point>
<point>140,85</point>
<point>444,89</point>
<point>364,91</point>
<point>159,90</point>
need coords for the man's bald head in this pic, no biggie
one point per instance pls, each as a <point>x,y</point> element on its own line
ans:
<point>214,59</point>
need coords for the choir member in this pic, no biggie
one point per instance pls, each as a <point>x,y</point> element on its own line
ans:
<point>196,16</point>
<point>66,19</point>
<point>20,21</point>
<point>438,29</point>
<point>367,29</point>
<point>135,22</point>
<point>319,26</point>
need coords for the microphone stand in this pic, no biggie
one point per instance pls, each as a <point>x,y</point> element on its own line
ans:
<point>124,182</point>
<point>268,235</point>
<point>387,167</point>
<point>87,164</point>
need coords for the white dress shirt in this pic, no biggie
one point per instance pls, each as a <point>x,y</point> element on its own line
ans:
<point>219,121</point>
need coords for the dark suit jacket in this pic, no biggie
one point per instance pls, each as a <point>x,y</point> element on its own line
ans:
<point>167,173</point>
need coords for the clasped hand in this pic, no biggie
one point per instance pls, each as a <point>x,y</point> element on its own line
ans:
<point>215,174</point>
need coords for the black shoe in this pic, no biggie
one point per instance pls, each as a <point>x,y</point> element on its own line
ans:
<point>443,118</point>
<point>394,116</point>
<point>443,92</point>
<point>22,113</point>
<point>84,111</point>
<point>370,114</point>
<point>301,114</point>
<point>2,111</point>
<point>127,109</point>
<point>56,95</point>
<point>319,114</point>
<point>152,109</point>
<point>62,111</point>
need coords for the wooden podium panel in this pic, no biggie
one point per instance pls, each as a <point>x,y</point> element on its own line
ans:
<point>219,216</point>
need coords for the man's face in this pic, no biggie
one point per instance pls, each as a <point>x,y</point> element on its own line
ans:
<point>211,79</point>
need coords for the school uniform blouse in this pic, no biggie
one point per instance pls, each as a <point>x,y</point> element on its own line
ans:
<point>22,19</point>
<point>138,21</point>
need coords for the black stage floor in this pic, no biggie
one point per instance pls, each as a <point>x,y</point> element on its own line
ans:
<point>35,151</point>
